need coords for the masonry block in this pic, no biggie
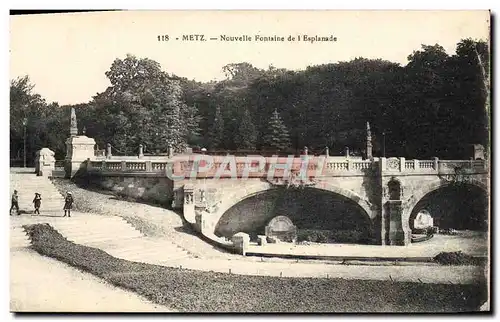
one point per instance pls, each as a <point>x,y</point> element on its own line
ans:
<point>241,242</point>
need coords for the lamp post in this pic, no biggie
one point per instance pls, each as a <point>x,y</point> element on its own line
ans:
<point>25,121</point>
<point>384,133</point>
<point>383,144</point>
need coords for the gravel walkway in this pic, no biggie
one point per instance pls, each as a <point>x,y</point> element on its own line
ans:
<point>42,284</point>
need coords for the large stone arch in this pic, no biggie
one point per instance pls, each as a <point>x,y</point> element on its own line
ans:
<point>349,194</point>
<point>255,188</point>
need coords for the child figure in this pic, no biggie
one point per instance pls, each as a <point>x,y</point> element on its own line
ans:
<point>38,202</point>
<point>68,204</point>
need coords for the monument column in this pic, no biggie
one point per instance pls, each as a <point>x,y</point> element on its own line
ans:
<point>79,148</point>
<point>369,145</point>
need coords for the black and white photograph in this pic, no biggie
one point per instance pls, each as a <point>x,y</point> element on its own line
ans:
<point>250,161</point>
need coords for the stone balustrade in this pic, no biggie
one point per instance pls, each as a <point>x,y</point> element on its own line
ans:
<point>262,167</point>
<point>434,166</point>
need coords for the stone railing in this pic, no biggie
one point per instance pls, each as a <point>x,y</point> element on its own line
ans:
<point>135,166</point>
<point>249,167</point>
<point>113,166</point>
<point>425,164</point>
<point>313,167</point>
<point>452,165</point>
<point>122,166</point>
<point>221,167</point>
<point>430,166</point>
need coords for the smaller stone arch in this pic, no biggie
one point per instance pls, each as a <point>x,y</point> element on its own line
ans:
<point>421,193</point>
<point>282,228</point>
<point>409,211</point>
<point>422,220</point>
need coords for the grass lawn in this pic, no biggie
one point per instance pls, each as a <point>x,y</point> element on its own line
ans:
<point>196,291</point>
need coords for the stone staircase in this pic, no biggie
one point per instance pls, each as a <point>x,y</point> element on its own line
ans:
<point>27,184</point>
<point>118,238</point>
<point>112,234</point>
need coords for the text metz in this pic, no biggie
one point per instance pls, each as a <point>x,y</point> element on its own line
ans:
<point>193,37</point>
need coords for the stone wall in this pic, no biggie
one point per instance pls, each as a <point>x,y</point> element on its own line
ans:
<point>152,189</point>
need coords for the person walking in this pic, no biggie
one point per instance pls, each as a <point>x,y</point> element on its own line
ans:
<point>14,203</point>
<point>38,202</point>
<point>68,204</point>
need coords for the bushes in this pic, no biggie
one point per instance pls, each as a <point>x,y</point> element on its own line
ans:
<point>424,231</point>
<point>333,236</point>
<point>455,258</point>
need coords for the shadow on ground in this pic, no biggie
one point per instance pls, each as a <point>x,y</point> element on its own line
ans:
<point>186,230</point>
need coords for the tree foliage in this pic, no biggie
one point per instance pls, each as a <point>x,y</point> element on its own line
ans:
<point>217,130</point>
<point>143,105</point>
<point>436,105</point>
<point>246,137</point>
<point>276,136</point>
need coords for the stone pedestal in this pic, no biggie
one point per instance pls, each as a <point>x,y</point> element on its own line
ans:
<point>479,152</point>
<point>241,241</point>
<point>45,162</point>
<point>399,235</point>
<point>202,225</point>
<point>78,150</point>
<point>198,226</point>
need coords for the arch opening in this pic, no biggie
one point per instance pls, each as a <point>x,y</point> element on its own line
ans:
<point>318,215</point>
<point>458,207</point>
<point>394,187</point>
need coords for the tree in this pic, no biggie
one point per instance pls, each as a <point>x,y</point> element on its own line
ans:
<point>277,136</point>
<point>217,130</point>
<point>473,73</point>
<point>434,106</point>
<point>241,74</point>
<point>246,136</point>
<point>144,105</point>
<point>29,106</point>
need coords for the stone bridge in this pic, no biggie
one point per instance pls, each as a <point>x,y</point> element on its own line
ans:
<point>385,189</point>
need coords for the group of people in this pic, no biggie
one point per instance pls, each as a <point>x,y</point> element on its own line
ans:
<point>37,202</point>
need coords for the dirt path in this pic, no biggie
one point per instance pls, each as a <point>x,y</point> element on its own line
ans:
<point>42,284</point>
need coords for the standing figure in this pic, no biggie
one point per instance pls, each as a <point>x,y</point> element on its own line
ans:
<point>38,202</point>
<point>14,203</point>
<point>68,204</point>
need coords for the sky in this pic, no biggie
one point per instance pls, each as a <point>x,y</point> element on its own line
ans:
<point>66,55</point>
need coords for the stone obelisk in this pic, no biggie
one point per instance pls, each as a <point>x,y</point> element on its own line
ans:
<point>79,149</point>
